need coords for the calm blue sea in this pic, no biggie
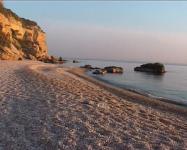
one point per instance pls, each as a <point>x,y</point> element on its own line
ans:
<point>172,85</point>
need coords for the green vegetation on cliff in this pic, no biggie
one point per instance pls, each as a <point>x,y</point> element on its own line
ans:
<point>20,38</point>
<point>4,40</point>
<point>8,13</point>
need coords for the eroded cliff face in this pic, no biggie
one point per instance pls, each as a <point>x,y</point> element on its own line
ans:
<point>20,38</point>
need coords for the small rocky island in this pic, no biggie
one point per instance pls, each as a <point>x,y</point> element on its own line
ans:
<point>156,68</point>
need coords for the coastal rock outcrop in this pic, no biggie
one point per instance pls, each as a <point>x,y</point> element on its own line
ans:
<point>20,38</point>
<point>156,68</point>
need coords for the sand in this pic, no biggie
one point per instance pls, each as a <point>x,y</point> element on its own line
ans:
<point>44,106</point>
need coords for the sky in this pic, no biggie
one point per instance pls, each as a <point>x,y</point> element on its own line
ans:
<point>150,31</point>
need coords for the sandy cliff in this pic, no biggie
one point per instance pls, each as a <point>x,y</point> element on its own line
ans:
<point>20,38</point>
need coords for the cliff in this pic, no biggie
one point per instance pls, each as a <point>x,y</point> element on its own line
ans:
<point>20,38</point>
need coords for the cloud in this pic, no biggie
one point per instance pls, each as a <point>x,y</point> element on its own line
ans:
<point>89,41</point>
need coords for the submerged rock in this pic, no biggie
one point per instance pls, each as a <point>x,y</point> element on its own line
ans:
<point>156,68</point>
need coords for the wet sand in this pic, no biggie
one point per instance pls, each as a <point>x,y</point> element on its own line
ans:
<point>43,106</point>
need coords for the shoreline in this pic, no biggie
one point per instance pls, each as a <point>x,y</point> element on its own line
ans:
<point>170,101</point>
<point>132,95</point>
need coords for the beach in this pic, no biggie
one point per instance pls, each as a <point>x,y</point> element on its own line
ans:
<point>46,106</point>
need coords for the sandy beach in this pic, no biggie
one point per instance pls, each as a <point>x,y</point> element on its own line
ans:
<point>44,106</point>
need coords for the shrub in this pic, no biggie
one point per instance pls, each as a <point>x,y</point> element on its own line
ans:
<point>4,40</point>
<point>60,59</point>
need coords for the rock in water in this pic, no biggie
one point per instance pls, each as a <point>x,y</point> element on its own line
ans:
<point>75,61</point>
<point>114,69</point>
<point>87,67</point>
<point>110,69</point>
<point>100,71</point>
<point>157,68</point>
<point>20,38</point>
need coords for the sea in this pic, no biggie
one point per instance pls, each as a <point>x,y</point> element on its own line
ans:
<point>171,86</point>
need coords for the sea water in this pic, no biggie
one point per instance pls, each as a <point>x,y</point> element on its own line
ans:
<point>172,85</point>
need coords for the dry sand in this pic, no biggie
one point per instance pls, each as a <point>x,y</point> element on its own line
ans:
<point>43,106</point>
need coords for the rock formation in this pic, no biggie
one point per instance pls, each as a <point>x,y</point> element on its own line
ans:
<point>20,38</point>
<point>156,68</point>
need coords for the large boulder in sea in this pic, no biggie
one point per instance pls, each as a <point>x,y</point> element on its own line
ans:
<point>20,38</point>
<point>156,68</point>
